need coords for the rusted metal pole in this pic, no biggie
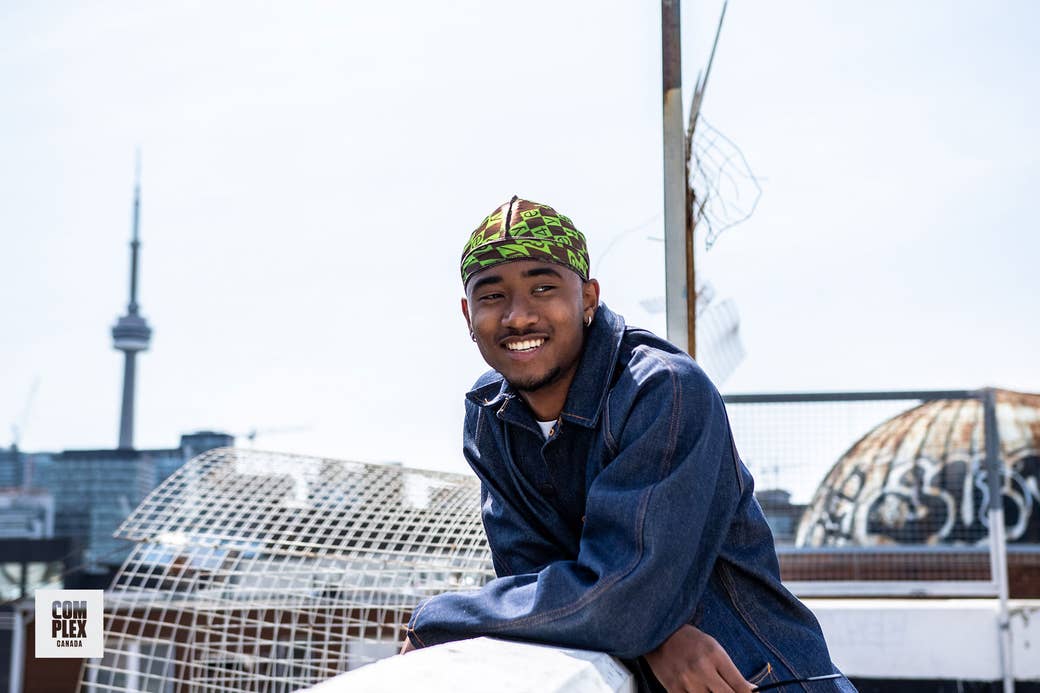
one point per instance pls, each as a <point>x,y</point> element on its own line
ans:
<point>677,290</point>
<point>691,227</point>
<point>691,277</point>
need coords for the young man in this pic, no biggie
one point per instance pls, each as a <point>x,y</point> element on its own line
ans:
<point>618,513</point>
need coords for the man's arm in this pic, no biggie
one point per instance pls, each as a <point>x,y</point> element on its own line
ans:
<point>655,518</point>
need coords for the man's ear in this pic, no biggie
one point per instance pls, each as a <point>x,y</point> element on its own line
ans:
<point>465,313</point>
<point>590,295</point>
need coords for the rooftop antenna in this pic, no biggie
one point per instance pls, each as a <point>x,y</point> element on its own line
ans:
<point>702,84</point>
<point>131,333</point>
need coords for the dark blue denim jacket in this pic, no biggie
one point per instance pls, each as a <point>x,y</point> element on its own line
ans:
<point>635,517</point>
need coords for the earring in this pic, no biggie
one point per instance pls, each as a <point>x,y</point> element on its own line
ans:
<point>588,321</point>
<point>472,335</point>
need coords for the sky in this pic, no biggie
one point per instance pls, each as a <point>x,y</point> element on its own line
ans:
<point>311,170</point>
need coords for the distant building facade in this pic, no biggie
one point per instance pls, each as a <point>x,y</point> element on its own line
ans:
<point>781,514</point>
<point>26,514</point>
<point>93,491</point>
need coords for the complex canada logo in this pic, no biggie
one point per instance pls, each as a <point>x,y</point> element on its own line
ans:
<point>70,623</point>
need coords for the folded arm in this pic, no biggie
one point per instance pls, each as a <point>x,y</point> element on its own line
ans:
<point>655,518</point>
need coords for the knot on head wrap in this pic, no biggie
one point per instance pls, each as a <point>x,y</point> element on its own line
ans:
<point>525,230</point>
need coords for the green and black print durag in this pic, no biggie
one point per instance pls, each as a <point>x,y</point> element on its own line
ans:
<point>525,230</point>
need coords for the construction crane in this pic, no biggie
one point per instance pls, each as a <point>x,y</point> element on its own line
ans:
<point>252,434</point>
<point>18,428</point>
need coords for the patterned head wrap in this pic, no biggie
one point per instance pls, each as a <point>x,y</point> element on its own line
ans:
<point>525,230</point>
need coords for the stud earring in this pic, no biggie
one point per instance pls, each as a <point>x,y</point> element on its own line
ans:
<point>472,335</point>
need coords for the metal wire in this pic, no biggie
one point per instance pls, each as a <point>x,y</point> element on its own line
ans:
<point>726,191</point>
<point>270,572</point>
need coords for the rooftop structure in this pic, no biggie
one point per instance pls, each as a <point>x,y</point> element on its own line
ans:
<point>263,571</point>
<point>26,515</point>
<point>920,478</point>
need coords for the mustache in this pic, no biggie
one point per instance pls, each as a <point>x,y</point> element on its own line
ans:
<point>514,334</point>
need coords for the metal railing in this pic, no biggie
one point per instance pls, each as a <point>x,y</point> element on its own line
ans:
<point>895,493</point>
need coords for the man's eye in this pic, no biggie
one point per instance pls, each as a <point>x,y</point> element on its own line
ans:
<point>490,297</point>
<point>543,288</point>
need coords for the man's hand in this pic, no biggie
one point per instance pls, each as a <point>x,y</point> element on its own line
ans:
<point>691,661</point>
<point>407,646</point>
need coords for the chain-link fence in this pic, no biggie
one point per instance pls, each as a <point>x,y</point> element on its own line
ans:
<point>889,493</point>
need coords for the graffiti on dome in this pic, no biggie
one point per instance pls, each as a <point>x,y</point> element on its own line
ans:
<point>925,502</point>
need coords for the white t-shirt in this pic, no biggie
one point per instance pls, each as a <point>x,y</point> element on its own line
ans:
<point>546,427</point>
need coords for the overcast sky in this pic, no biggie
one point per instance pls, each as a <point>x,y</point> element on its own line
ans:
<point>312,170</point>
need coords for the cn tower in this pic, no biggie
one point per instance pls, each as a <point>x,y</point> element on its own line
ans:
<point>131,333</point>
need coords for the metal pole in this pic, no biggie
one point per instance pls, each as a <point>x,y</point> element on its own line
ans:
<point>14,679</point>
<point>691,278</point>
<point>998,540</point>
<point>674,178</point>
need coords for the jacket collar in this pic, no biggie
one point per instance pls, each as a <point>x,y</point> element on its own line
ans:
<point>591,382</point>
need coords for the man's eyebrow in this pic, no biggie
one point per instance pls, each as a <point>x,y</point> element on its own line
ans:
<point>484,281</point>
<point>540,271</point>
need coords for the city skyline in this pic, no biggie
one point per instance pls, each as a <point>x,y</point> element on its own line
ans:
<point>891,248</point>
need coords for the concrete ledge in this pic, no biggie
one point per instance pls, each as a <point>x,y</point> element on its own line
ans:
<point>896,640</point>
<point>950,639</point>
<point>487,664</point>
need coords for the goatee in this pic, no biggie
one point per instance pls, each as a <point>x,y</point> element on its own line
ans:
<point>533,384</point>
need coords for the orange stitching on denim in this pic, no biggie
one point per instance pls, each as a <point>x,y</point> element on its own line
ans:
<point>727,583</point>
<point>761,676</point>
<point>409,630</point>
<point>536,619</point>
<point>595,592</point>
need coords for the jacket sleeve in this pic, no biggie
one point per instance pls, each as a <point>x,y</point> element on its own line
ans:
<point>655,519</point>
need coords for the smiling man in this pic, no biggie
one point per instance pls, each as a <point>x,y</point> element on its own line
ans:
<point>618,514</point>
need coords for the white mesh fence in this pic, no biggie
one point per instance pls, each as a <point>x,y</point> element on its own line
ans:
<point>272,572</point>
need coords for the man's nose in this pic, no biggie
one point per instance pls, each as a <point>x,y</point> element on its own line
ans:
<point>519,313</point>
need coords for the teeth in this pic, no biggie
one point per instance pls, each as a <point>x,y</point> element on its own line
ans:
<point>525,345</point>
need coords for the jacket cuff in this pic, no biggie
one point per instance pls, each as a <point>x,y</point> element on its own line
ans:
<point>416,640</point>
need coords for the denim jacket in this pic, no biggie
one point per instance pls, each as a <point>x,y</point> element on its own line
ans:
<point>635,517</point>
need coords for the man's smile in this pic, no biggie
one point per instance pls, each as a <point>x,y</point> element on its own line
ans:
<point>525,346</point>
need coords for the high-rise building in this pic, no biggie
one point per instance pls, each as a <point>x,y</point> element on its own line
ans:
<point>95,490</point>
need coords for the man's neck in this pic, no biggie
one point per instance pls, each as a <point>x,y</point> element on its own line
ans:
<point>547,402</point>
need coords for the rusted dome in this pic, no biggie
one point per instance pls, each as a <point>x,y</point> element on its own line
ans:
<point>920,478</point>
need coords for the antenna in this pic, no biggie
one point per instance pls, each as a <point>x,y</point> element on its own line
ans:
<point>135,241</point>
<point>698,90</point>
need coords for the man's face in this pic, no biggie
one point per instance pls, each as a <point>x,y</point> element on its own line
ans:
<point>528,320</point>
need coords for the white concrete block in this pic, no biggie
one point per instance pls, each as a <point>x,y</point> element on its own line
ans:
<point>487,664</point>
<point>928,638</point>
